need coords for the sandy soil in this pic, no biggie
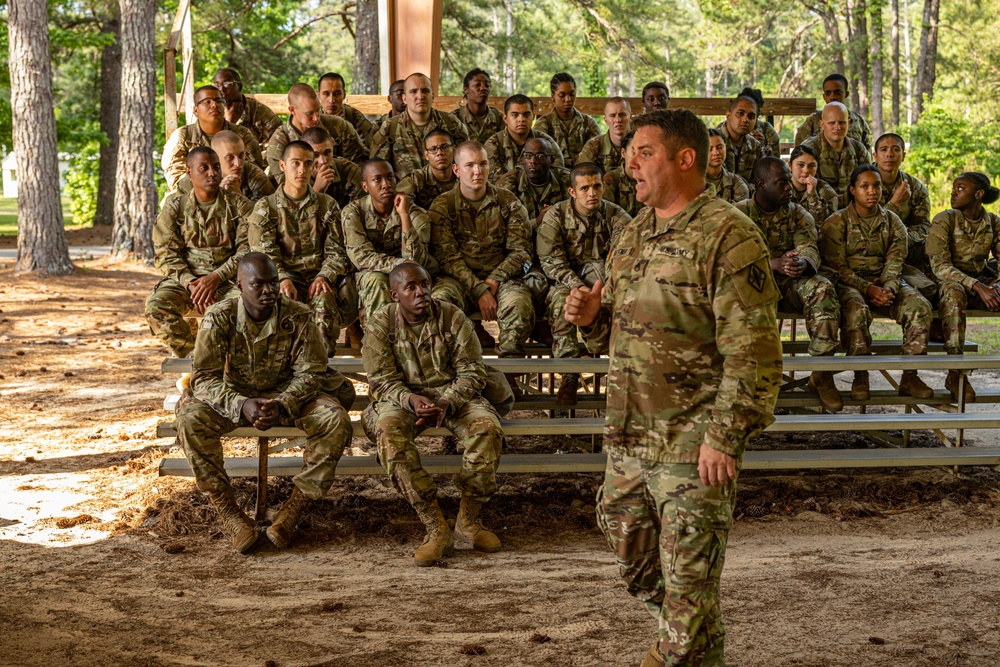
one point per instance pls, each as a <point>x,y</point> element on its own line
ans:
<point>104,563</point>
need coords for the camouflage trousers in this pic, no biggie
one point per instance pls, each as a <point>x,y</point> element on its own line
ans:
<point>564,338</point>
<point>326,423</point>
<point>168,306</point>
<point>669,534</point>
<point>953,300</point>
<point>373,291</point>
<point>816,298</point>
<point>476,424</point>
<point>515,311</point>
<point>331,311</point>
<point>909,309</point>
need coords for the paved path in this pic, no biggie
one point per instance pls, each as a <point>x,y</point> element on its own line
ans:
<point>75,252</point>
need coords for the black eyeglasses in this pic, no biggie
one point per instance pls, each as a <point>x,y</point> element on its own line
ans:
<point>226,84</point>
<point>210,102</point>
<point>434,150</point>
<point>532,156</point>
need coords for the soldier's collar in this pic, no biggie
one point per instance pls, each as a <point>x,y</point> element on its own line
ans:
<point>430,324</point>
<point>268,327</point>
<point>369,206</point>
<point>286,201</point>
<point>680,221</point>
<point>192,205</point>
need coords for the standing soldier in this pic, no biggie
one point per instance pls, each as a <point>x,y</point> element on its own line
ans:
<point>400,140</point>
<point>835,90</point>
<point>198,239</point>
<point>504,148</point>
<point>655,96</point>
<point>817,196</point>
<point>428,183</point>
<point>792,239</point>
<point>332,93</point>
<point>573,243</point>
<point>728,186</point>
<point>619,186</point>
<point>959,244</point>
<point>695,364</point>
<point>299,229</point>
<point>425,368</point>
<point>259,361</point>
<point>482,120</point>
<point>606,150</point>
<point>570,128</point>
<point>536,182</point>
<point>837,154</point>
<point>333,176</point>
<point>243,110</point>
<point>742,150</point>
<point>397,104</point>
<point>238,174</point>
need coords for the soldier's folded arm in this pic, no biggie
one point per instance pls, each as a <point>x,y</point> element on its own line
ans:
<point>551,249</point>
<point>385,379</point>
<point>416,242</point>
<point>360,250</point>
<point>896,255</point>
<point>308,366</point>
<point>335,262</point>
<point>209,370</point>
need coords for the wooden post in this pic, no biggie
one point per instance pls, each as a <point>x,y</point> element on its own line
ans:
<point>262,452</point>
<point>187,65</point>
<point>409,50</point>
<point>170,67</point>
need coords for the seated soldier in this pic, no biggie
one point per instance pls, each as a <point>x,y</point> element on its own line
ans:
<point>400,140</point>
<point>728,186</point>
<point>570,128</point>
<point>619,186</point>
<point>259,361</point>
<point>816,195</point>
<point>792,238</point>
<point>238,174</point>
<point>481,238</point>
<point>763,131</point>
<point>397,104</point>
<point>243,110</point>
<point>303,114</point>
<point>482,120</point>
<point>381,231</point>
<point>425,369</point>
<point>573,242</point>
<point>504,148</point>
<point>299,229</point>
<point>334,176</point>
<point>835,90</point>
<point>424,185</point>
<point>198,239</point>
<point>209,121</point>
<point>837,154</point>
<point>536,182</point>
<point>655,96</point>
<point>863,248</point>
<point>332,91</point>
<point>606,150</point>
<point>959,244</point>
<point>742,150</point>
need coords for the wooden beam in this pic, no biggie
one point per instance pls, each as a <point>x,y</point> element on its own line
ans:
<point>414,40</point>
<point>170,67</point>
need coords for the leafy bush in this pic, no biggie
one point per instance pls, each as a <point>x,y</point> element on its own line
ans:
<point>81,183</point>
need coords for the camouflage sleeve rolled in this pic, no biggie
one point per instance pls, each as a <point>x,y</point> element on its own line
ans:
<point>417,241</point>
<point>549,243</point>
<point>806,238</point>
<point>243,209</point>
<point>920,212</point>
<point>385,378</point>
<point>467,362</point>
<point>939,252</point>
<point>262,235</point>
<point>808,128</point>
<point>747,340</point>
<point>896,254</point>
<point>308,367</point>
<point>174,158</point>
<point>832,250</point>
<point>168,244</point>
<point>519,250</point>
<point>208,367</point>
<point>590,151</point>
<point>446,250</point>
<point>335,262</point>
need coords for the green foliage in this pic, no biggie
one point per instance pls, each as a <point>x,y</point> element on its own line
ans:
<point>81,183</point>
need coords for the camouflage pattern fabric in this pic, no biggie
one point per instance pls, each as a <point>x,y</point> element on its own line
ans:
<point>729,187</point>
<point>619,189</point>
<point>365,128</point>
<point>423,188</point>
<point>346,142</point>
<point>741,159</point>
<point>601,151</point>
<point>835,168</point>
<point>768,136</point>
<point>254,183</point>
<point>183,139</point>
<point>505,153</point>
<point>515,310</point>
<point>570,135</point>
<point>915,213</point>
<point>400,141</point>
<point>259,119</point>
<point>480,129</point>
<point>857,129</point>
<point>283,359</point>
<point>536,198</point>
<point>821,204</point>
<point>346,186</point>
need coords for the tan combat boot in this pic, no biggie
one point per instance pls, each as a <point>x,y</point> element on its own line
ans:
<point>515,388</point>
<point>653,657</point>
<point>469,528</point>
<point>822,383</point>
<point>951,384</point>
<point>282,529</point>
<point>486,341</point>
<point>439,540</point>
<point>354,335</point>
<point>237,525</point>
<point>860,390</point>
<point>911,385</point>
<point>567,389</point>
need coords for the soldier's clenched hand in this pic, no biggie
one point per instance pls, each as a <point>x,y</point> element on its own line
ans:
<point>583,304</point>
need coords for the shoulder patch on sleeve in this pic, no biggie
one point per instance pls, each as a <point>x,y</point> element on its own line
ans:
<point>749,271</point>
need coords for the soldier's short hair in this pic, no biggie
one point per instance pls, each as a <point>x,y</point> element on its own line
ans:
<point>398,83</point>
<point>396,275</point>
<point>856,174</point>
<point>890,135</point>
<point>583,169</point>
<point>298,143</point>
<point>371,162</point>
<point>226,137</point>
<point>469,145</point>
<point>982,182</point>
<point>202,89</point>
<point>316,135</point>
<point>518,99</point>
<point>439,132</point>
<point>199,150</point>
<point>561,77</point>
<point>745,95</point>
<point>801,150</point>
<point>836,76</point>
<point>627,139</point>
<point>764,167</point>
<point>231,72</point>
<point>655,84</point>
<point>472,74</point>
<point>299,92</point>
<point>257,260</point>
<point>715,132</point>
<point>681,128</point>
<point>420,74</point>
<point>331,76</point>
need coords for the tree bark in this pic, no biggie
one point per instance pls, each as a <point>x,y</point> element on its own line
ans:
<point>927,57</point>
<point>860,50</point>
<point>878,124</point>
<point>832,26</point>
<point>111,86</point>
<point>895,64</point>
<point>135,190</point>
<point>41,238</point>
<point>366,49</point>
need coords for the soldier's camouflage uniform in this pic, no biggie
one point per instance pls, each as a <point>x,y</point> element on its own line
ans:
<point>364,127</point>
<point>915,213</point>
<point>572,251</point>
<point>858,253</point>
<point>619,189</point>
<point>768,136</point>
<point>400,141</point>
<point>259,119</point>
<point>695,359</point>
<point>835,168</point>
<point>191,241</point>
<point>183,139</point>
<point>570,135</point>
<point>346,142</point>
<point>480,129</point>
<point>346,184</point>
<point>304,240</point>
<point>790,227</point>
<point>959,249</point>
<point>821,204</point>
<point>282,358</point>
<point>857,129</point>
<point>741,159</point>
<point>601,151</point>
<point>440,359</point>
<point>493,242</point>
<point>729,187</point>
<point>377,245</point>
<point>505,154</point>
<point>423,188</point>
<point>254,183</point>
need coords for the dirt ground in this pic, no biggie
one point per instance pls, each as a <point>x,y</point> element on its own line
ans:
<point>104,563</point>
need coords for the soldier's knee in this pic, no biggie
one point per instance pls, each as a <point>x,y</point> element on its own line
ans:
<point>197,419</point>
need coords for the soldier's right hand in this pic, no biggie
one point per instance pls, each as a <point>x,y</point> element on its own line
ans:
<point>261,412</point>
<point>989,295</point>
<point>488,306</point>
<point>583,304</point>
<point>324,177</point>
<point>879,296</point>
<point>231,183</point>
<point>287,287</point>
<point>811,184</point>
<point>425,409</point>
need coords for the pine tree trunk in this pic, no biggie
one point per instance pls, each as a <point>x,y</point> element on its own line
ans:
<point>366,49</point>
<point>41,238</point>
<point>852,76</point>
<point>878,124</point>
<point>895,64</point>
<point>832,26</point>
<point>135,190</point>
<point>861,56</point>
<point>111,84</point>
<point>927,58</point>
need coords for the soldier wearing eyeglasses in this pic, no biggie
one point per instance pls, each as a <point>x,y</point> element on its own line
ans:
<point>426,184</point>
<point>243,110</point>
